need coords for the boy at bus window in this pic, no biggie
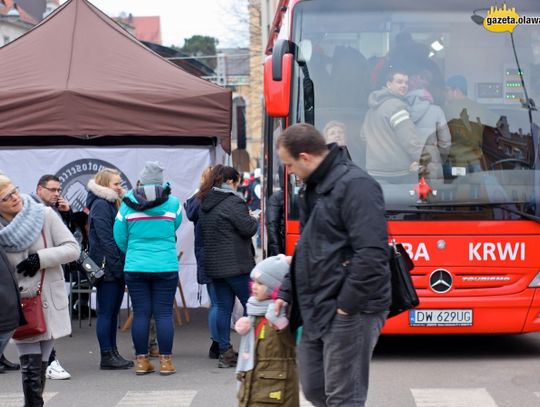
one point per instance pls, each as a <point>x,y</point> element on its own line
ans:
<point>335,132</point>
<point>266,368</point>
<point>338,286</point>
<point>393,149</point>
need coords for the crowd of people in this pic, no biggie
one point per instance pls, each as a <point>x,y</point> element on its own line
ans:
<point>292,306</point>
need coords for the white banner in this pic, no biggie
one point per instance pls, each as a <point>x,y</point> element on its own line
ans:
<point>75,166</point>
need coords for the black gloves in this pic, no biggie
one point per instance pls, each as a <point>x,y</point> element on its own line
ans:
<point>29,266</point>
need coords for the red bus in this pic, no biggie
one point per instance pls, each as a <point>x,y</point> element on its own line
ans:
<point>468,213</point>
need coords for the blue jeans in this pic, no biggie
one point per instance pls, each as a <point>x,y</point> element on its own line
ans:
<point>152,294</point>
<point>334,369</point>
<point>226,290</point>
<point>4,339</point>
<point>109,300</point>
<point>212,311</point>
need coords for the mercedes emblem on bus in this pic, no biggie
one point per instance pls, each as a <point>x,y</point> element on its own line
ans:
<point>440,281</point>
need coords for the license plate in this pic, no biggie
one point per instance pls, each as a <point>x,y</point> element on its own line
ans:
<point>441,317</point>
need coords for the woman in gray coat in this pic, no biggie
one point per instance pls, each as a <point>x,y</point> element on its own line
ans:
<point>36,241</point>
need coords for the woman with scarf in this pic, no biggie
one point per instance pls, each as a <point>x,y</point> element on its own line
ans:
<point>226,230</point>
<point>104,198</point>
<point>37,243</point>
<point>145,229</point>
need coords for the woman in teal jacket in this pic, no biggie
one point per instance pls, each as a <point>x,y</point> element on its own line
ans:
<point>145,229</point>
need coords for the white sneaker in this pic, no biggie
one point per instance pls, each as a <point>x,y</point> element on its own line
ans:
<point>56,372</point>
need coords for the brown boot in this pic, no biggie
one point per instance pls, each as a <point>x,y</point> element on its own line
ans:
<point>166,366</point>
<point>228,358</point>
<point>143,365</point>
<point>153,350</point>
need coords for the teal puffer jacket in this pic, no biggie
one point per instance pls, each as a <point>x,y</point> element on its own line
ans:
<point>145,229</point>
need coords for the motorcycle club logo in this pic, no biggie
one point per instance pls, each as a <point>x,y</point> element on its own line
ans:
<point>75,175</point>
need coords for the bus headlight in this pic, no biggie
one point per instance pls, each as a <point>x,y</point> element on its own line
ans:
<point>535,283</point>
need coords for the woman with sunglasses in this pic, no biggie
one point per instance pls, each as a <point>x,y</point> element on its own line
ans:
<point>37,243</point>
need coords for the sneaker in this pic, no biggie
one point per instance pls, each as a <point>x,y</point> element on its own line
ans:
<point>228,358</point>
<point>166,366</point>
<point>56,372</point>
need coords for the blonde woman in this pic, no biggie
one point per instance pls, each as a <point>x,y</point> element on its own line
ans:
<point>37,243</point>
<point>104,197</point>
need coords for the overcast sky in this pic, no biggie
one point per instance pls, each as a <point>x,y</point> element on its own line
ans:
<point>183,18</point>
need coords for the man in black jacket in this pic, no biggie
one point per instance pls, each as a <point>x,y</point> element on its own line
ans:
<point>339,283</point>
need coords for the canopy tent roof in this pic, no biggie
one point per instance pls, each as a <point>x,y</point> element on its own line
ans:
<point>78,73</point>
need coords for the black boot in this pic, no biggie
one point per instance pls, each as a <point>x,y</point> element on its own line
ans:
<point>119,357</point>
<point>2,369</point>
<point>109,361</point>
<point>7,365</point>
<point>213,352</point>
<point>31,380</point>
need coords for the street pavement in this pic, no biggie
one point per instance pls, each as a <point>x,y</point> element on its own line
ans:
<point>407,371</point>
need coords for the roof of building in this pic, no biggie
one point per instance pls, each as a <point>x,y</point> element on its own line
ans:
<point>147,28</point>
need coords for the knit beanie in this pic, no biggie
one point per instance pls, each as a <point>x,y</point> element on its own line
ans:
<point>152,173</point>
<point>271,271</point>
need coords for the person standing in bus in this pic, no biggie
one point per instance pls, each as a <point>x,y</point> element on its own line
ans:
<point>338,286</point>
<point>393,148</point>
<point>430,123</point>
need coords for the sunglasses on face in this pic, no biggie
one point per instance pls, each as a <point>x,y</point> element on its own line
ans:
<point>10,194</point>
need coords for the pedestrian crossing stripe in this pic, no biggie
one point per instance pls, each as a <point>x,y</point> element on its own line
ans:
<point>17,399</point>
<point>181,398</point>
<point>448,397</point>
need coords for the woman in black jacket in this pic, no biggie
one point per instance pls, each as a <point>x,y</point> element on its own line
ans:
<point>104,197</point>
<point>226,229</point>
<point>11,315</point>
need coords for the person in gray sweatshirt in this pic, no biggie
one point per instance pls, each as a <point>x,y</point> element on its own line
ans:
<point>393,149</point>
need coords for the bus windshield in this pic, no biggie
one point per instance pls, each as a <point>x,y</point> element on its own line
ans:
<point>469,152</point>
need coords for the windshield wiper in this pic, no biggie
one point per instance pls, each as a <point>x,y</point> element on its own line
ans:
<point>498,205</point>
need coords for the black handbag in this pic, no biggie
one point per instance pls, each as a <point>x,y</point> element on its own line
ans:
<point>93,272</point>
<point>404,295</point>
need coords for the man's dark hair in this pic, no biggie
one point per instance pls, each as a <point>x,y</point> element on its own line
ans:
<point>302,138</point>
<point>394,71</point>
<point>46,178</point>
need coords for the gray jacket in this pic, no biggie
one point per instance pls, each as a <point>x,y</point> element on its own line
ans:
<point>390,135</point>
<point>432,131</point>
<point>61,248</point>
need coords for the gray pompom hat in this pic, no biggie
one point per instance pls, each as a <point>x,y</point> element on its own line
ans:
<point>271,271</point>
<point>152,173</point>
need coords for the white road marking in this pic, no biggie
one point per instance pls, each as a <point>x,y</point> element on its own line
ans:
<point>180,398</point>
<point>461,397</point>
<point>17,399</point>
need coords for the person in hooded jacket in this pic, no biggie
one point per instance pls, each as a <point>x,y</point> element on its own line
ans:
<point>430,121</point>
<point>393,149</point>
<point>145,229</point>
<point>192,207</point>
<point>104,194</point>
<point>226,230</point>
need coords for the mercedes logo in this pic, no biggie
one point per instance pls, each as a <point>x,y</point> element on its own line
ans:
<point>440,281</point>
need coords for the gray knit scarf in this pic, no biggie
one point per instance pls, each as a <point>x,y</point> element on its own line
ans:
<point>246,352</point>
<point>24,228</point>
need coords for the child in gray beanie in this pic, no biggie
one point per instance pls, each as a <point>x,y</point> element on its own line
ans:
<point>266,344</point>
<point>151,174</point>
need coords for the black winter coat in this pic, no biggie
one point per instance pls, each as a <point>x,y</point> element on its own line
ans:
<point>192,207</point>
<point>275,224</point>
<point>341,258</point>
<point>100,237</point>
<point>11,315</point>
<point>226,229</point>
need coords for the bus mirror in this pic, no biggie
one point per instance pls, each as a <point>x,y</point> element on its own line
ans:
<point>277,93</point>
